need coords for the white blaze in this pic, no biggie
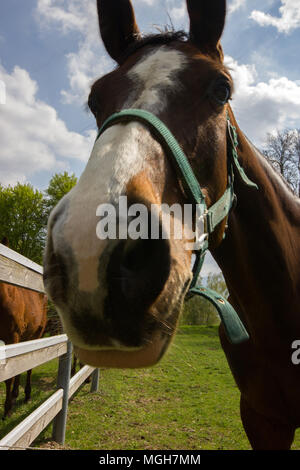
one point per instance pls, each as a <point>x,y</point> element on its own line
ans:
<point>115,159</point>
<point>120,153</point>
<point>154,74</point>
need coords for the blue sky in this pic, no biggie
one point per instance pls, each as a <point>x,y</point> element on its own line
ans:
<point>50,53</point>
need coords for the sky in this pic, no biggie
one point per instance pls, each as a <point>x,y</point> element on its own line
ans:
<point>51,53</point>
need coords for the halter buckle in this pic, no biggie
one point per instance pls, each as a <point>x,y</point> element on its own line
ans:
<point>201,230</point>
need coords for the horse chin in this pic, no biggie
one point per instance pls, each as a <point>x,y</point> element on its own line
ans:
<point>145,356</point>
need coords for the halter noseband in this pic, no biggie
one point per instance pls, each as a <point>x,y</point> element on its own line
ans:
<point>206,218</point>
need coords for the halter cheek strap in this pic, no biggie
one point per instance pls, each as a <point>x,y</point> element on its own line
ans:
<point>207,219</point>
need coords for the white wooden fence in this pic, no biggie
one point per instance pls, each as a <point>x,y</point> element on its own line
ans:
<point>17,358</point>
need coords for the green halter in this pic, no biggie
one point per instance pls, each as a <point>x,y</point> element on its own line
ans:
<point>207,218</point>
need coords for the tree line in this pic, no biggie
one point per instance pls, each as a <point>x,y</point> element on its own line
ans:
<point>24,213</point>
<point>283,152</point>
<point>199,311</point>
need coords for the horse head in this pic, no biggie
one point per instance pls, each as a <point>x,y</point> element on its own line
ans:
<point>120,298</point>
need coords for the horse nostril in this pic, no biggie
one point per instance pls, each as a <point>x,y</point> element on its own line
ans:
<point>139,269</point>
<point>137,254</point>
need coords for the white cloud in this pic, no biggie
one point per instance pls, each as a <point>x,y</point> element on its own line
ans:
<point>235,5</point>
<point>178,13</point>
<point>262,107</point>
<point>177,10</point>
<point>148,2</point>
<point>53,11</point>
<point>84,67</point>
<point>288,20</point>
<point>87,63</point>
<point>210,266</point>
<point>32,136</point>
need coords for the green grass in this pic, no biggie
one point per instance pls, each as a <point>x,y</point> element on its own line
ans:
<point>188,401</point>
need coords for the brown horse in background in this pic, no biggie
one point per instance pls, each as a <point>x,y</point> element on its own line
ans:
<point>23,317</point>
<point>120,300</point>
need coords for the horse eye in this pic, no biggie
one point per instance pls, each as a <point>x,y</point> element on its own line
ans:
<point>221,92</point>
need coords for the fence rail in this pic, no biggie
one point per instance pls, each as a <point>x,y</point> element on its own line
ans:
<point>22,357</point>
<point>17,270</point>
<point>17,358</point>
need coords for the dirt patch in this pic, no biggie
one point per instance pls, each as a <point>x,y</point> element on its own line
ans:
<point>52,445</point>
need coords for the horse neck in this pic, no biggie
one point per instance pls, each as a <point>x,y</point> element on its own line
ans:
<point>259,257</point>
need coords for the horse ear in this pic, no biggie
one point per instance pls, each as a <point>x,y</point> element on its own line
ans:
<point>5,241</point>
<point>207,21</point>
<point>118,26</point>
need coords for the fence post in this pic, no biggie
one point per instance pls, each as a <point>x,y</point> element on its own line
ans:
<point>63,380</point>
<point>95,381</point>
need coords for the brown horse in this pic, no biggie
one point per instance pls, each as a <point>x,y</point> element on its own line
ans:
<point>23,317</point>
<point>120,299</point>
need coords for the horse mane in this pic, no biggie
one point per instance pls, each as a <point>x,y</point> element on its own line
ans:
<point>165,36</point>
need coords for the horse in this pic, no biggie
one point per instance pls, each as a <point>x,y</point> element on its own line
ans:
<point>23,315</point>
<point>120,298</point>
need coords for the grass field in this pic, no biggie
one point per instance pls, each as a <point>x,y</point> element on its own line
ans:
<point>188,401</point>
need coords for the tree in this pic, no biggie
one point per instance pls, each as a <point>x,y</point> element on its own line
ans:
<point>215,281</point>
<point>281,153</point>
<point>22,219</point>
<point>59,185</point>
<point>199,311</point>
<point>24,213</point>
